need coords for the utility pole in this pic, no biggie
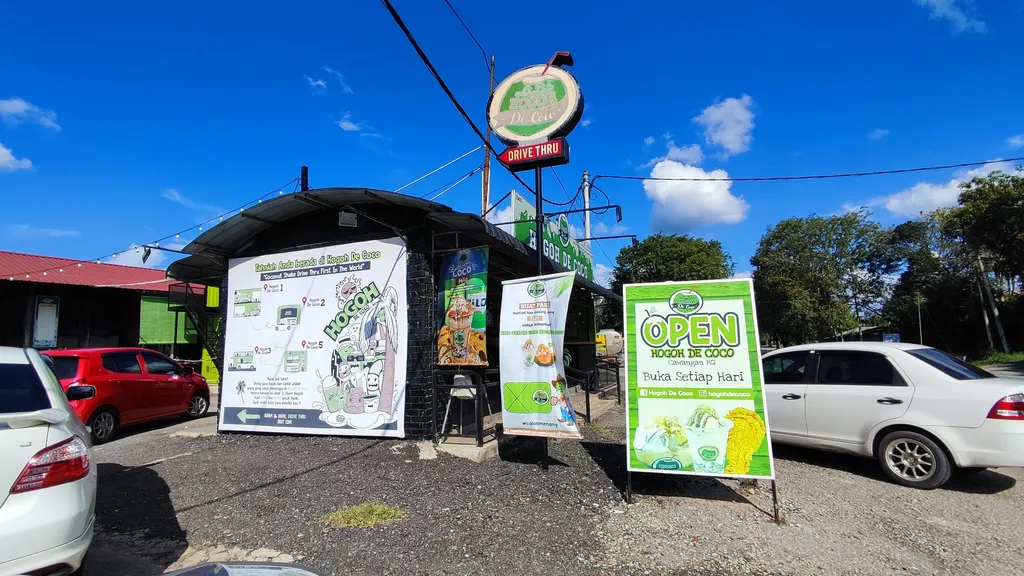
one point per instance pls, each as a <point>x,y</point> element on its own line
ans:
<point>486,177</point>
<point>992,304</point>
<point>304,178</point>
<point>586,207</point>
<point>920,329</point>
<point>984,315</point>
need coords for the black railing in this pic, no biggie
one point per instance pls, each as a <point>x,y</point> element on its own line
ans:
<point>181,297</point>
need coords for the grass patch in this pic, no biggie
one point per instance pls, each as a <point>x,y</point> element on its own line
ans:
<point>601,430</point>
<point>364,515</point>
<point>994,357</point>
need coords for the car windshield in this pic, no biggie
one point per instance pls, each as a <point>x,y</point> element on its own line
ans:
<point>949,364</point>
<point>65,367</point>
<point>21,390</point>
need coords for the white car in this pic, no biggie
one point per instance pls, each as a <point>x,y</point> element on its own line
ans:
<point>920,412</point>
<point>47,473</point>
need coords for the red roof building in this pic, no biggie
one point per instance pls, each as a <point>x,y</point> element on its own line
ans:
<point>65,303</point>
<point>50,270</point>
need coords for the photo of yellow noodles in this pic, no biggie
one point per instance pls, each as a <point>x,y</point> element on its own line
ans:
<point>745,438</point>
<point>476,348</point>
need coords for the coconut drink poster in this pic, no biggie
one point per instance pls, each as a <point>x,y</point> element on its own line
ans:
<point>461,336</point>
<point>693,380</point>
<point>534,395</point>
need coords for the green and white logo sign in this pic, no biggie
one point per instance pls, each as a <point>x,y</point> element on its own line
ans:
<point>535,104</point>
<point>693,380</point>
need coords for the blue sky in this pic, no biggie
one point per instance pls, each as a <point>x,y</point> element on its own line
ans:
<point>121,122</point>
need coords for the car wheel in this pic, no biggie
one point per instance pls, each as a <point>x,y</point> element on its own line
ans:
<point>103,424</point>
<point>914,460</point>
<point>197,406</point>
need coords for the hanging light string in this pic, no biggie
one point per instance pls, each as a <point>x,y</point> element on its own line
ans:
<point>59,268</point>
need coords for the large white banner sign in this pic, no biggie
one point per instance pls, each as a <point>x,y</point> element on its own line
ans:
<point>534,397</point>
<point>316,342</point>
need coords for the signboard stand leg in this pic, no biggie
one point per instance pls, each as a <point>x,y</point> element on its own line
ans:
<point>775,503</point>
<point>539,222</point>
<point>629,487</point>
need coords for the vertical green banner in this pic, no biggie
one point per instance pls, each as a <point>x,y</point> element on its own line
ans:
<point>461,336</point>
<point>693,380</point>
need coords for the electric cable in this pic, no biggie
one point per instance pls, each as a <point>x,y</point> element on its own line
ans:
<point>813,176</point>
<point>487,62</point>
<point>444,86</point>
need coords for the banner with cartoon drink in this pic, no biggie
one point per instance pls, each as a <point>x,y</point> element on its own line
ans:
<point>315,342</point>
<point>693,370</point>
<point>461,336</point>
<point>534,396</point>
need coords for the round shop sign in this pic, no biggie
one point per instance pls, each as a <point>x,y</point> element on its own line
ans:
<point>535,104</point>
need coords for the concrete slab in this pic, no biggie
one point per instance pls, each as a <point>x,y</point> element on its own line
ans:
<point>469,450</point>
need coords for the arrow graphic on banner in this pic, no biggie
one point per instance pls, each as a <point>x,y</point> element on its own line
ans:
<point>244,416</point>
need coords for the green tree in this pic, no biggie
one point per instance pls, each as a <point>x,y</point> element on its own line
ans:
<point>817,276</point>
<point>662,258</point>
<point>990,220</point>
<point>937,276</point>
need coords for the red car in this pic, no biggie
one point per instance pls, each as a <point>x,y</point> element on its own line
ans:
<point>132,385</point>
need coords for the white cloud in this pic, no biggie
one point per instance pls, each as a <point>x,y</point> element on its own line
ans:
<point>743,274</point>
<point>1016,141</point>
<point>133,257</point>
<point>691,154</point>
<point>728,124</point>
<point>17,111</point>
<point>30,231</point>
<point>340,78</point>
<point>649,140</point>
<point>685,205</point>
<point>951,11</point>
<point>316,83</point>
<point>586,122</point>
<point>927,196</point>
<point>179,198</point>
<point>157,258</point>
<point>878,134</point>
<point>9,163</point>
<point>603,275</point>
<point>602,229</point>
<point>501,216</point>
<point>347,124</point>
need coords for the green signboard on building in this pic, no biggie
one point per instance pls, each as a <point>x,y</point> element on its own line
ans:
<point>559,245</point>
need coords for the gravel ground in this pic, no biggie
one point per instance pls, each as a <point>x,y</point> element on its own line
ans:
<point>162,498</point>
<point>840,516</point>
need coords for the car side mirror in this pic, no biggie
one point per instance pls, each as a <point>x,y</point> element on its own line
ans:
<point>80,393</point>
<point>186,371</point>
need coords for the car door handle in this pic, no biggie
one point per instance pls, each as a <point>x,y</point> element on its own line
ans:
<point>890,401</point>
<point>791,396</point>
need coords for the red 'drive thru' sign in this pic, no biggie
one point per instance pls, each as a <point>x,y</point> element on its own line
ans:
<point>550,153</point>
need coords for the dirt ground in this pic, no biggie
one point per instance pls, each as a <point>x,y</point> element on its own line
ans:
<point>167,500</point>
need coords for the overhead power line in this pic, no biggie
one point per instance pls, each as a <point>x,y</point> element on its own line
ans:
<point>68,262</point>
<point>471,35</point>
<point>444,86</point>
<point>436,170</point>
<point>452,183</point>
<point>813,176</point>
<point>465,177</point>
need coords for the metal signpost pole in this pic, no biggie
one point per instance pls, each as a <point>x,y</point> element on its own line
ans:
<point>775,503</point>
<point>539,223</point>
